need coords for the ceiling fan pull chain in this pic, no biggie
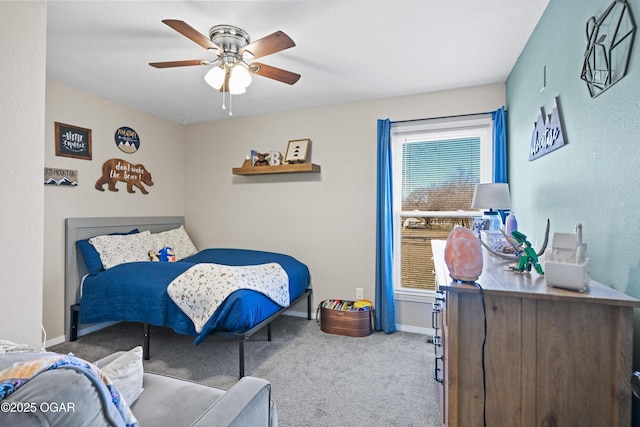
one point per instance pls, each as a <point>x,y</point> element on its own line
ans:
<point>224,107</point>
<point>230,104</point>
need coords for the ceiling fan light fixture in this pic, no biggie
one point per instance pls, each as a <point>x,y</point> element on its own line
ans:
<point>241,75</point>
<point>236,85</point>
<point>215,77</point>
<point>231,70</point>
<point>236,89</point>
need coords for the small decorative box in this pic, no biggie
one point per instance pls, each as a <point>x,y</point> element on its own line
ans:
<point>494,239</point>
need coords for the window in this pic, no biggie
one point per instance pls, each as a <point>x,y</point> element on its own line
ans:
<point>436,164</point>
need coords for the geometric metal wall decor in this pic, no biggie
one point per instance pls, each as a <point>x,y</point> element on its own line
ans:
<point>610,38</point>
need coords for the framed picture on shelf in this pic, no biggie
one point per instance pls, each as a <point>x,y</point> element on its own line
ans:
<point>297,151</point>
<point>72,141</point>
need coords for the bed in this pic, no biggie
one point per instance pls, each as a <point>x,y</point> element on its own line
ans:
<point>137,291</point>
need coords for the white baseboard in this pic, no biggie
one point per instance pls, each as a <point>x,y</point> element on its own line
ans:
<point>94,327</point>
<point>416,330</point>
<point>293,313</point>
<point>54,341</point>
<point>81,332</point>
<point>402,328</point>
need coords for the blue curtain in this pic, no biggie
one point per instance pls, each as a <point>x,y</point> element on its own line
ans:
<point>499,145</point>
<point>385,309</point>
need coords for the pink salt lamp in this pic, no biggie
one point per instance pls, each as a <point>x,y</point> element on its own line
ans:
<point>463,255</point>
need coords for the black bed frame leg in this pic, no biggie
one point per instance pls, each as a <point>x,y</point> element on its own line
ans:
<point>145,344</point>
<point>241,354</point>
<point>309,306</point>
<point>75,319</point>
<point>269,331</point>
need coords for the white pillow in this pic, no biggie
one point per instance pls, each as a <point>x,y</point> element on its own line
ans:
<point>178,240</point>
<point>115,250</point>
<point>126,372</point>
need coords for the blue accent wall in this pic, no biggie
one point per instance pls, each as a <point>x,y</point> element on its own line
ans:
<point>595,178</point>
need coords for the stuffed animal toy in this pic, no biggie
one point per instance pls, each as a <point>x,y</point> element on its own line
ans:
<point>262,159</point>
<point>166,254</point>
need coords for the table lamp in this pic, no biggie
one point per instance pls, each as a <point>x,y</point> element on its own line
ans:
<point>490,198</point>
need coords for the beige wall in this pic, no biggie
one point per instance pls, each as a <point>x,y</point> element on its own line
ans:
<point>22,67</point>
<point>326,220</point>
<point>161,152</point>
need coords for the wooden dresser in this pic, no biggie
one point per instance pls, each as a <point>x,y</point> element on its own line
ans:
<point>552,357</point>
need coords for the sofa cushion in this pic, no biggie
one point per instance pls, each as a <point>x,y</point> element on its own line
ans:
<point>59,397</point>
<point>173,402</point>
<point>126,372</point>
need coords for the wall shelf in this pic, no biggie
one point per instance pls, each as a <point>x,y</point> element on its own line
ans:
<point>247,169</point>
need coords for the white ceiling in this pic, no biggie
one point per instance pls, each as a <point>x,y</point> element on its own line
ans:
<point>346,50</point>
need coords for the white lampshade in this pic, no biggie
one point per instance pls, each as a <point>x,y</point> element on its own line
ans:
<point>215,77</point>
<point>240,75</point>
<point>491,196</point>
<point>235,87</point>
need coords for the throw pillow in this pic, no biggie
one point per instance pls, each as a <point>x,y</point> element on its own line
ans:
<point>178,240</point>
<point>115,250</point>
<point>126,373</point>
<point>91,256</point>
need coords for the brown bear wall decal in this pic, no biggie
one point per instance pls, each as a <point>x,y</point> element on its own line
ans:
<point>114,170</point>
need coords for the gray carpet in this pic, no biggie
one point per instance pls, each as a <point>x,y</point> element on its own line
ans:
<point>317,379</point>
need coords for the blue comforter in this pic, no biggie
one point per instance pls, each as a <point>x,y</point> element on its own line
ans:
<point>137,292</point>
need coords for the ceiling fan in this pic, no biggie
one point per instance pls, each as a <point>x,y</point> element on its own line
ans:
<point>231,69</point>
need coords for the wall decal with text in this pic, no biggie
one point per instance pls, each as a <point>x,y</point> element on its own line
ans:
<point>114,170</point>
<point>547,133</point>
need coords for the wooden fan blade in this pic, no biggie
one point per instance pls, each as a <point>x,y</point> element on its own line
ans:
<point>185,63</point>
<point>270,44</point>
<point>189,32</point>
<point>274,73</point>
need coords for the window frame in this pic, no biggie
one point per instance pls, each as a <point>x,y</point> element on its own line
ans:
<point>432,130</point>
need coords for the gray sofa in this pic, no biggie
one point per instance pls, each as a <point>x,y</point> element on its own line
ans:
<point>67,397</point>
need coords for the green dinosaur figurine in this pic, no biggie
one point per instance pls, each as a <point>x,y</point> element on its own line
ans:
<point>529,257</point>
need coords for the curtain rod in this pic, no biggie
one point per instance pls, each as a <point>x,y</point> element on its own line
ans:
<point>442,117</point>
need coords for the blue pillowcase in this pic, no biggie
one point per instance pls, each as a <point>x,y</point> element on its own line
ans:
<point>91,256</point>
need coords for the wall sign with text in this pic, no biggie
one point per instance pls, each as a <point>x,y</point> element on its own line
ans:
<point>118,170</point>
<point>127,139</point>
<point>73,141</point>
<point>60,177</point>
<point>547,133</point>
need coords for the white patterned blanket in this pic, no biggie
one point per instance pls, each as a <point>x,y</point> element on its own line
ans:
<point>200,290</point>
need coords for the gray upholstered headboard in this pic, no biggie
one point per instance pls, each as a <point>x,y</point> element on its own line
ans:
<point>84,228</point>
